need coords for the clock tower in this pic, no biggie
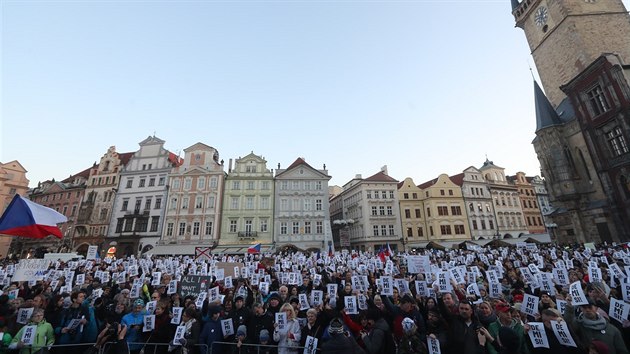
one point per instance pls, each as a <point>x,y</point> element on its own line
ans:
<point>565,36</point>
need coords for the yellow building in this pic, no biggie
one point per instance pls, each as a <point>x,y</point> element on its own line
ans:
<point>12,181</point>
<point>444,210</point>
<point>411,213</point>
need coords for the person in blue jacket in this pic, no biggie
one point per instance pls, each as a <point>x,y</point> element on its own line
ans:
<point>134,322</point>
<point>212,331</point>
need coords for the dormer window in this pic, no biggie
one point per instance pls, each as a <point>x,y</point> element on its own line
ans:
<point>597,100</point>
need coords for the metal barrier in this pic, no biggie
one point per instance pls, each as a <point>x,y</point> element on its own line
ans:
<point>61,347</point>
<point>259,348</point>
<point>150,347</point>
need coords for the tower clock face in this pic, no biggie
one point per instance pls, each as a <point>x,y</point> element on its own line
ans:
<point>541,16</point>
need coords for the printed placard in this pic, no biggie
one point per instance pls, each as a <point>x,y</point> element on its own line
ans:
<point>310,346</point>
<point>28,335</point>
<point>530,304</point>
<point>92,252</point>
<point>303,302</point>
<point>180,332</point>
<point>362,302</point>
<point>213,294</point>
<point>172,287</point>
<point>24,315</point>
<point>388,286</point>
<point>561,330</point>
<point>331,290</point>
<point>350,303</point>
<point>149,323</point>
<point>281,320</point>
<point>156,278</point>
<point>317,297</point>
<point>151,305</point>
<point>577,294</point>
<point>537,335</point>
<point>177,315</point>
<point>562,306</point>
<point>433,345</point>
<point>619,310</point>
<point>227,327</point>
<point>80,280</point>
<point>421,288</point>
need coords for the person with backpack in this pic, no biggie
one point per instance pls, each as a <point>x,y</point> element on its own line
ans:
<point>378,340</point>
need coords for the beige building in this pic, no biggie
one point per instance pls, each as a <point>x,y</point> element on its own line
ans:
<point>12,181</point>
<point>412,213</point>
<point>193,216</point>
<point>445,212</point>
<point>247,206</point>
<point>529,203</point>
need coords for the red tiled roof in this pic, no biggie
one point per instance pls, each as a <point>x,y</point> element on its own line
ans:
<point>400,184</point>
<point>125,157</point>
<point>298,162</point>
<point>85,174</point>
<point>458,179</point>
<point>380,177</point>
<point>427,184</point>
<point>175,160</point>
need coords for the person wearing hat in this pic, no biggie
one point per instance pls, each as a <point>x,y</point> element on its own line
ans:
<point>555,347</point>
<point>546,301</point>
<point>410,343</point>
<point>212,331</point>
<point>590,325</point>
<point>240,314</point>
<point>504,319</point>
<point>240,338</point>
<point>264,340</point>
<point>339,342</point>
<point>376,341</point>
<point>260,320</point>
<point>273,304</point>
<point>134,321</point>
<point>406,308</point>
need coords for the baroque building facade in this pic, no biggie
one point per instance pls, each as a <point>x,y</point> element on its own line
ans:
<point>302,209</point>
<point>479,205</point>
<point>193,215</point>
<point>248,204</point>
<point>582,122</point>
<point>12,181</point>
<point>96,207</point>
<point>138,210</point>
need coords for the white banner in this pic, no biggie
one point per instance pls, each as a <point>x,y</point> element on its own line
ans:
<point>30,269</point>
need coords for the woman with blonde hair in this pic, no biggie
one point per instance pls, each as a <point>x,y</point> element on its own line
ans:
<point>288,338</point>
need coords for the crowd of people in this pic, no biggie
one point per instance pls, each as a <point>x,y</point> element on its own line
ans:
<point>525,300</point>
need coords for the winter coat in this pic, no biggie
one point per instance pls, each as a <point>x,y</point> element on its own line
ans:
<point>44,336</point>
<point>341,344</point>
<point>288,345</point>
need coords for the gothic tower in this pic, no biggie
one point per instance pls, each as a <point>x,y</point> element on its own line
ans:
<point>581,48</point>
<point>565,36</point>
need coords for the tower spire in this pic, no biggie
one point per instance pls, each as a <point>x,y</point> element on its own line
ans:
<point>546,115</point>
<point>515,4</point>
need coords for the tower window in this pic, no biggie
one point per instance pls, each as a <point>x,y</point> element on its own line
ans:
<point>597,100</point>
<point>617,142</point>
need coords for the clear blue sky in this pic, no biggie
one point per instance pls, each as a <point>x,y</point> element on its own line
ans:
<point>425,87</point>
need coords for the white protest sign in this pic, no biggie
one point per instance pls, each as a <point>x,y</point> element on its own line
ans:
<point>149,323</point>
<point>530,304</point>
<point>421,288</point>
<point>331,290</point>
<point>172,287</point>
<point>28,335</point>
<point>388,286</point>
<point>177,315</point>
<point>227,327</point>
<point>350,303</point>
<point>577,294</point>
<point>310,346</point>
<point>317,297</point>
<point>179,334</point>
<point>418,264</point>
<point>619,310</point>
<point>281,320</point>
<point>150,306</point>
<point>433,345</point>
<point>24,315</point>
<point>537,335</point>
<point>92,253</point>
<point>562,305</point>
<point>31,269</point>
<point>561,330</point>
<point>156,278</point>
<point>303,302</point>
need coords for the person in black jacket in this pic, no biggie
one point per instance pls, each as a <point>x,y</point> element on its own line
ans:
<point>463,328</point>
<point>261,320</point>
<point>340,342</point>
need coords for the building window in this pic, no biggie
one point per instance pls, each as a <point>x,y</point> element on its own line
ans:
<point>390,211</point>
<point>381,210</point>
<point>296,228</point>
<point>119,225</point>
<point>234,203</point>
<point>369,195</point>
<point>128,225</point>
<point>431,230</point>
<point>319,227</point>
<point>263,225</point>
<point>617,142</point>
<point>208,227</point>
<point>173,203</point>
<point>418,216</point>
<point>169,229</point>
<point>318,185</point>
<point>375,230</point>
<point>445,229</point>
<point>236,185</point>
<point>456,210</point>
<point>391,230</point>
<point>307,227</point>
<point>441,191</point>
<point>249,202</point>
<point>405,195</point>
<point>264,203</point>
<point>308,204</point>
<point>250,185</point>
<point>182,228</point>
<point>284,185</point>
<point>142,182</point>
<point>198,202</point>
<point>141,225</point>
<point>391,194</point>
<point>129,183</point>
<point>597,100</point>
<point>125,205</point>
<point>384,194</point>
<point>175,184</point>
<point>155,221</point>
<point>483,224</point>
<point>147,204</point>
<point>284,204</point>
<point>374,211</point>
<point>233,225</point>
<point>429,212</point>
<point>407,214</point>
<point>211,202</point>
<point>201,183</point>
<point>420,232</point>
<point>265,185</point>
<point>318,204</point>
<point>161,181</point>
<point>151,181</point>
<point>459,230</point>
<point>213,182</point>
<point>196,227</point>
<point>442,210</point>
<point>474,224</point>
<point>185,201</point>
<point>283,228</point>
<point>383,230</point>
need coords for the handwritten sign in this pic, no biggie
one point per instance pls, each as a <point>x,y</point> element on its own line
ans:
<point>31,269</point>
